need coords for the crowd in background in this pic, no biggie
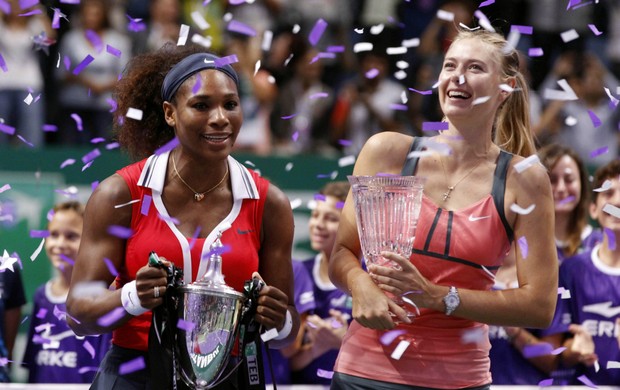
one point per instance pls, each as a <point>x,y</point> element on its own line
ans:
<point>322,76</point>
<point>317,76</point>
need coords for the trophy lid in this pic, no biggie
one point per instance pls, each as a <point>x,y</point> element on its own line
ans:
<point>213,279</point>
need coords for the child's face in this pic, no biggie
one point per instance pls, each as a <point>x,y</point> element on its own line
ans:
<point>64,240</point>
<point>566,184</point>
<point>612,197</point>
<point>323,224</point>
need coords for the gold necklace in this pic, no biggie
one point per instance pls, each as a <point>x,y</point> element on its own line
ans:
<point>446,195</point>
<point>198,196</point>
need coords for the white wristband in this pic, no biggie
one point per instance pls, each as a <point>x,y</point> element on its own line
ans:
<point>286,329</point>
<point>130,300</point>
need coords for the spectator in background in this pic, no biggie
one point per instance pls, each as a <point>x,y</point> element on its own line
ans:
<point>12,298</point>
<point>85,95</point>
<point>21,86</point>
<point>257,91</point>
<point>163,25</point>
<point>299,120</point>
<point>589,123</point>
<point>54,354</point>
<point>368,104</point>
<point>571,195</point>
<point>325,327</point>
<point>588,323</point>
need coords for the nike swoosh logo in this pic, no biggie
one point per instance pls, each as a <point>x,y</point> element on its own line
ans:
<point>474,219</point>
<point>239,231</point>
<point>129,297</point>
<point>604,309</point>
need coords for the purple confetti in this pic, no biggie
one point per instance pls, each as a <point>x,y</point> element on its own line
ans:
<point>594,29</point>
<point>295,136</point>
<point>324,373</point>
<point>90,156</point>
<point>599,151</point>
<point>187,326</point>
<point>87,165</point>
<point>197,85</point>
<point>227,60</point>
<point>335,49</point>
<point>41,313</point>
<point>535,350</point>
<point>398,107</point>
<point>388,337</point>
<point>558,351</point>
<point>67,162</point>
<point>56,19</point>
<point>522,241</point>
<point>535,52</point>
<point>112,103</point>
<point>5,7</point>
<point>317,31</point>
<point>39,233</point>
<point>111,317</point>
<point>568,199</point>
<point>110,266</point>
<point>5,187</point>
<point>595,119</point>
<point>112,145</point>
<point>97,140</point>
<point>146,205</point>
<point>168,146</point>
<point>85,62</point>
<point>318,95</point>
<point>135,25</point>
<point>23,4</point>
<point>611,238</point>
<point>426,92</point>
<point>586,381</point>
<point>89,348</point>
<point>112,50</point>
<point>194,238</point>
<point>320,197</point>
<point>485,3</point>
<point>132,366</point>
<point>288,117</point>
<point>95,40</point>
<point>67,259</point>
<point>3,64</point>
<point>69,1</point>
<point>241,28</point>
<point>434,126</point>
<point>545,382</point>
<point>24,140</point>
<point>49,128</point>
<point>7,129</point>
<point>339,205</point>
<point>67,61</point>
<point>527,30</point>
<point>78,121</point>
<point>31,13</point>
<point>120,231</point>
<point>372,73</point>
<point>345,142</point>
<point>86,369</point>
<point>94,185</point>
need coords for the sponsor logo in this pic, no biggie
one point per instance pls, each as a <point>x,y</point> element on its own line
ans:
<point>472,218</point>
<point>55,358</point>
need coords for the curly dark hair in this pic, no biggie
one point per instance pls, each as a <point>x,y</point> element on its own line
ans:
<point>140,88</point>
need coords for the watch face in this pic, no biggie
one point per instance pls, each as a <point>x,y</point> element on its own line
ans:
<point>451,301</point>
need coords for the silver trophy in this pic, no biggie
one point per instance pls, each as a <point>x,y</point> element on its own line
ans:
<point>213,311</point>
<point>387,209</point>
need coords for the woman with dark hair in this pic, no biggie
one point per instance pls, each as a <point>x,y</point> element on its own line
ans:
<point>177,202</point>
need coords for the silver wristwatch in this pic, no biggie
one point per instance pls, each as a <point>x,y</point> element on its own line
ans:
<point>451,300</point>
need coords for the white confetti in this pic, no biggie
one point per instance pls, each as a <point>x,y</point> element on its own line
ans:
<point>400,75</point>
<point>413,42</point>
<point>118,206</point>
<point>270,334</point>
<point>566,93</point>
<point>506,87</point>
<point>202,41</point>
<point>362,46</point>
<point>570,121</point>
<point>526,163</point>
<point>199,20</point>
<point>480,100</point>
<point>445,15</point>
<point>597,366</point>
<point>400,349</point>
<point>377,29</point>
<point>614,101</point>
<point>29,99</point>
<point>346,161</point>
<point>36,252</point>
<point>483,21</point>
<point>569,35</point>
<point>564,293</point>
<point>402,64</point>
<point>612,364</point>
<point>295,203</point>
<point>474,336</point>
<point>288,167</point>
<point>520,210</point>
<point>396,50</point>
<point>604,187</point>
<point>267,39</point>
<point>183,34</point>
<point>134,113</point>
<point>256,67</point>
<point>461,79</point>
<point>612,210</point>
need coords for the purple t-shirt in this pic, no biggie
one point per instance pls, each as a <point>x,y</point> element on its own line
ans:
<point>595,304</point>
<point>54,353</point>
<point>327,296</point>
<point>589,238</point>
<point>304,302</point>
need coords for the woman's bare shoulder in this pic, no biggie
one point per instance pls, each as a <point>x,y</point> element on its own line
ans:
<point>384,153</point>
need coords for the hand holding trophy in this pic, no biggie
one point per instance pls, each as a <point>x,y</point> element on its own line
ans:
<point>387,208</point>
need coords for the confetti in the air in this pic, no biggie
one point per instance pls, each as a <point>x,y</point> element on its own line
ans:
<point>520,210</point>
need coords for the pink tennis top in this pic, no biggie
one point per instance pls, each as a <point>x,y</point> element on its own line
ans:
<point>154,230</point>
<point>461,248</point>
